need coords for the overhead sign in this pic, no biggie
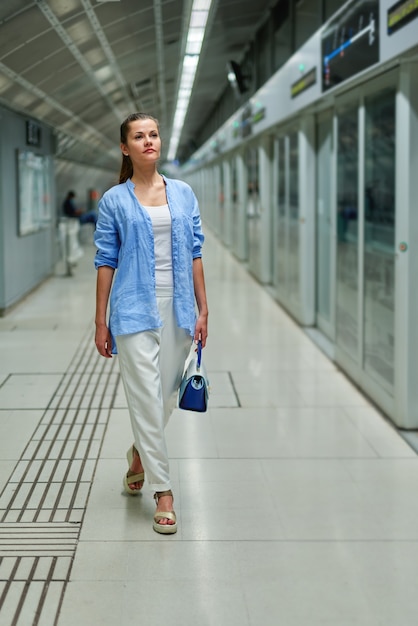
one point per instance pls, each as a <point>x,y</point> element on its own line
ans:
<point>401,14</point>
<point>303,83</point>
<point>350,43</point>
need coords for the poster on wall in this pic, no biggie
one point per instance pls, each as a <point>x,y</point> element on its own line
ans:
<point>34,201</point>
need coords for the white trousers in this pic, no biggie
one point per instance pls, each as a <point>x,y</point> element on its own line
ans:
<point>151,365</point>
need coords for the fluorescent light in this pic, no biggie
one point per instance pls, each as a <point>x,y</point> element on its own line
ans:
<point>190,61</point>
<point>193,47</point>
<point>202,5</point>
<point>198,19</point>
<point>195,36</point>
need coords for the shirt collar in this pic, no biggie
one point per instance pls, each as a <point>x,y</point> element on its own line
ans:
<point>131,185</point>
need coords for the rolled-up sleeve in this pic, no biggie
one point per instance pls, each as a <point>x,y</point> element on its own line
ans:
<point>106,237</point>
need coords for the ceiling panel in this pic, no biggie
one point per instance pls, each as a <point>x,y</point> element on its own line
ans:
<point>65,8</point>
<point>62,70</point>
<point>22,29</point>
<point>39,50</point>
<point>98,60</point>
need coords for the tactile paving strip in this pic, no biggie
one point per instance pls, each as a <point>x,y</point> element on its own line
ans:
<point>38,539</point>
<point>42,506</point>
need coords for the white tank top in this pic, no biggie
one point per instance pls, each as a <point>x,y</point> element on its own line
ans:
<point>161,224</point>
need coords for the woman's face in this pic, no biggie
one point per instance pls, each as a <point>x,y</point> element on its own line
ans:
<point>143,143</point>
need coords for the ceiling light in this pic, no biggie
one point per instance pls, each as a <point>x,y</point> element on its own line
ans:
<point>198,19</point>
<point>202,5</point>
<point>195,36</point>
<point>193,47</point>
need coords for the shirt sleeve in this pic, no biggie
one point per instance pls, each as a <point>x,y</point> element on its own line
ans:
<point>106,237</point>
<point>198,237</point>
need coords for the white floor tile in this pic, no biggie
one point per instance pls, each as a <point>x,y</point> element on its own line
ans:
<point>6,470</point>
<point>305,473</point>
<point>131,522</point>
<point>113,561</point>
<point>191,435</point>
<point>328,511</point>
<point>235,471</point>
<point>239,524</point>
<point>16,427</point>
<point>153,602</point>
<point>330,583</point>
<point>380,434</point>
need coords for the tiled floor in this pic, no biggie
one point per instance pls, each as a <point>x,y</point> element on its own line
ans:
<point>296,500</point>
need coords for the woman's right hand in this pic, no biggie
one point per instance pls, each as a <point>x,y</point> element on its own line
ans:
<point>103,341</point>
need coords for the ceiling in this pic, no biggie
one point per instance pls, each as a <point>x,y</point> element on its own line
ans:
<point>82,66</point>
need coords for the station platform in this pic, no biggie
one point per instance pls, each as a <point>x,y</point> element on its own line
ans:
<point>296,499</point>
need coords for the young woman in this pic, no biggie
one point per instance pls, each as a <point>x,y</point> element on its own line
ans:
<point>149,228</point>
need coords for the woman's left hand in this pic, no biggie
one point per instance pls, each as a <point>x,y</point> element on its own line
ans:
<point>201,329</point>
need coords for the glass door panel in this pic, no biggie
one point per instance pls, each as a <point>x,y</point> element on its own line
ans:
<point>287,270</point>
<point>234,205</point>
<point>347,233</point>
<point>281,235</point>
<point>293,217</point>
<point>379,237</point>
<point>253,209</point>
<point>324,234</point>
<point>221,201</point>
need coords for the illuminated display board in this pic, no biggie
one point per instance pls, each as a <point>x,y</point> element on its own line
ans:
<point>303,83</point>
<point>250,115</point>
<point>401,13</point>
<point>350,43</point>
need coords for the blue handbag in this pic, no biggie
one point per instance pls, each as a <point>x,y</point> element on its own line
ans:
<point>194,387</point>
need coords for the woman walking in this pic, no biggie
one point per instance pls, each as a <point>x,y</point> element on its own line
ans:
<point>149,229</point>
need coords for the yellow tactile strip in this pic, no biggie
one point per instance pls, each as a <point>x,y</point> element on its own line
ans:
<point>43,503</point>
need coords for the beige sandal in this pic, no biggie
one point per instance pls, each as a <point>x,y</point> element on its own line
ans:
<point>131,478</point>
<point>164,529</point>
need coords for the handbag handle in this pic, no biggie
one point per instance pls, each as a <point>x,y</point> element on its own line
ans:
<point>199,353</point>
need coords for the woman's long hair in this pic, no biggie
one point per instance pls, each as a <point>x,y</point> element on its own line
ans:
<point>126,169</point>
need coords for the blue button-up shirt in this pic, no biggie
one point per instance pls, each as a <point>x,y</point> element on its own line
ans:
<point>124,240</point>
